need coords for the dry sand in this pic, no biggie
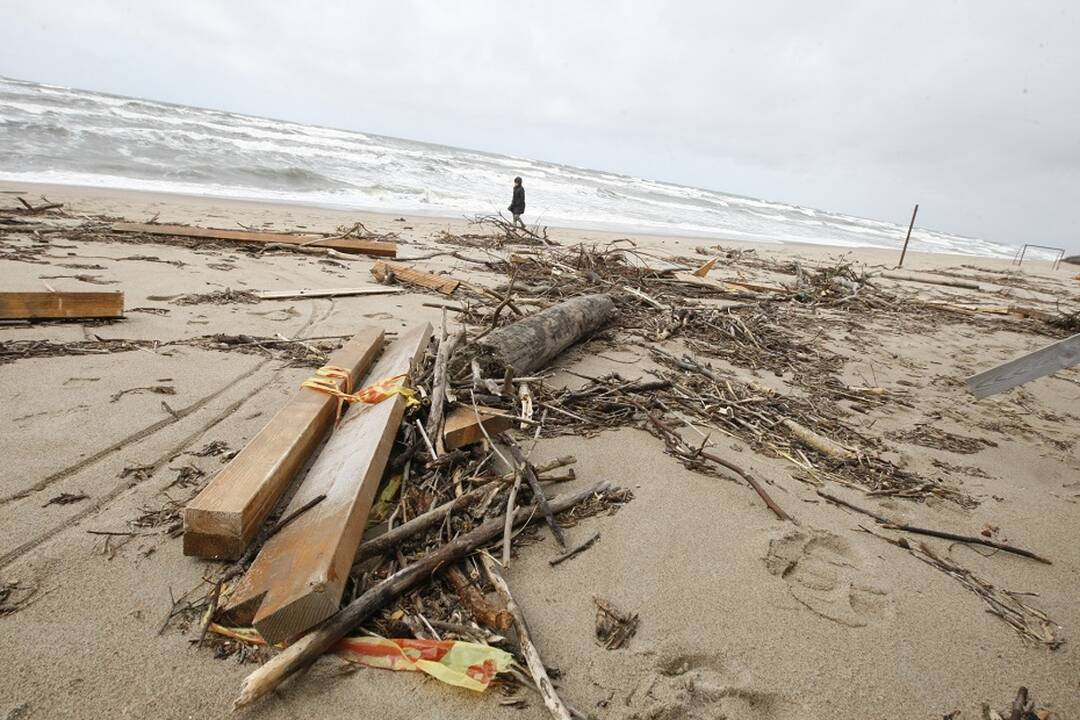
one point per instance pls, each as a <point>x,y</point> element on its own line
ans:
<point>741,615</point>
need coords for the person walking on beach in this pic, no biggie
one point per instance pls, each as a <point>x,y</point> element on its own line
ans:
<point>517,204</point>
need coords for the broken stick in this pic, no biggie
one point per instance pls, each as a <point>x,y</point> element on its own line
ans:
<point>532,656</point>
<point>307,649</point>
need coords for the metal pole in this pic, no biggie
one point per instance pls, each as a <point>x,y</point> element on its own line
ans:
<point>908,238</point>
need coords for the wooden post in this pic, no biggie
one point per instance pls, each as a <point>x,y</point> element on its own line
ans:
<point>908,238</point>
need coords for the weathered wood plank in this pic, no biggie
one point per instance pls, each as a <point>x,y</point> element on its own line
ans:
<point>60,305</point>
<point>299,575</point>
<point>327,292</point>
<point>438,283</point>
<point>348,245</point>
<point>461,427</point>
<point>1050,359</point>
<point>224,517</point>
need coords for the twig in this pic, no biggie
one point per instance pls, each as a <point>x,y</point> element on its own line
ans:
<point>889,524</point>
<point>575,550</point>
<point>529,472</point>
<point>307,649</point>
<point>532,656</point>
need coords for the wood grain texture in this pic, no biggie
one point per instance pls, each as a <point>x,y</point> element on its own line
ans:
<point>1050,359</point>
<point>60,305</point>
<point>348,245</point>
<point>299,575</point>
<point>224,517</point>
<point>438,283</point>
<point>326,292</point>
<point>532,342</point>
<point>462,428</point>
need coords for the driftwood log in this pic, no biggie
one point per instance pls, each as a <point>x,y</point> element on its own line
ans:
<point>532,342</point>
<point>310,647</point>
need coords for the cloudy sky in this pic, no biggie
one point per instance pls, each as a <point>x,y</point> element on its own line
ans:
<point>971,109</point>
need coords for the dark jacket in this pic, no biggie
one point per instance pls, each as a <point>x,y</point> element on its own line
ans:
<point>517,205</point>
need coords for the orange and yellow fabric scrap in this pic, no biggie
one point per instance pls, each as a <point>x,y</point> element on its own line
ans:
<point>325,381</point>
<point>454,662</point>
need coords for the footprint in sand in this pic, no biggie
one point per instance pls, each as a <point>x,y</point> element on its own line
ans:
<point>698,687</point>
<point>825,574</point>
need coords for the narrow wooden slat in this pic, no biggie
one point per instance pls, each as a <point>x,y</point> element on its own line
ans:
<point>1050,359</point>
<point>299,575</point>
<point>60,305</point>
<point>328,292</point>
<point>438,283</point>
<point>223,518</point>
<point>461,427</point>
<point>349,245</point>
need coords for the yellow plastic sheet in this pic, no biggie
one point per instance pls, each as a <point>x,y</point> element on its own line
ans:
<point>463,664</point>
<point>454,662</point>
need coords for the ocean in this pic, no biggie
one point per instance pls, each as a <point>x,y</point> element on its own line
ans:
<point>60,135</point>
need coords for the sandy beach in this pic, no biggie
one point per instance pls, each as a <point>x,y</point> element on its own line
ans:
<point>742,615</point>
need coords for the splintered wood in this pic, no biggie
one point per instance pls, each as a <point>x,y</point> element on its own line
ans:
<point>222,519</point>
<point>383,270</point>
<point>299,575</point>
<point>343,244</point>
<point>60,305</point>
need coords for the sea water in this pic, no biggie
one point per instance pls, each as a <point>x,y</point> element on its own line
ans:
<point>59,135</point>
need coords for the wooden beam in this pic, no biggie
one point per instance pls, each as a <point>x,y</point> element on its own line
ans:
<point>224,517</point>
<point>439,283</point>
<point>60,305</point>
<point>299,575</point>
<point>348,245</point>
<point>1050,359</point>
<point>731,286</point>
<point>462,428</point>
<point>329,292</point>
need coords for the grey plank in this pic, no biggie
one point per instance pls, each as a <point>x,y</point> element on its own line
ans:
<point>1050,359</point>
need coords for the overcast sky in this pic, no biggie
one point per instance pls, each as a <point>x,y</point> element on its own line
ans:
<point>971,109</point>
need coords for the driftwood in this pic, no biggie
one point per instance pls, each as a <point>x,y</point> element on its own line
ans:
<point>576,549</point>
<point>438,386</point>
<point>528,471</point>
<point>475,602</point>
<point>819,442</point>
<point>309,648</point>
<point>974,539</point>
<point>532,656</point>
<point>531,343</point>
<point>932,281</point>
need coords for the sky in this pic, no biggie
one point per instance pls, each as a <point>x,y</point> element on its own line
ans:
<point>971,109</point>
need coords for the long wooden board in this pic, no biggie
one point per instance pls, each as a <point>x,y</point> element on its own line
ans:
<point>438,283</point>
<point>348,245</point>
<point>1050,359</point>
<point>60,305</point>
<point>224,517</point>
<point>326,292</point>
<point>299,575</point>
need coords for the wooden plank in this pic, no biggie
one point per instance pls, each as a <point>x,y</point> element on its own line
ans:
<point>327,292</point>
<point>299,575</point>
<point>348,245</point>
<point>932,280</point>
<point>736,286</point>
<point>60,305</point>
<point>461,427</point>
<point>1050,359</point>
<point>224,517</point>
<point>438,283</point>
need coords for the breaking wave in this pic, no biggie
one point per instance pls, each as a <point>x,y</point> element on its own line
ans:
<point>60,135</point>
